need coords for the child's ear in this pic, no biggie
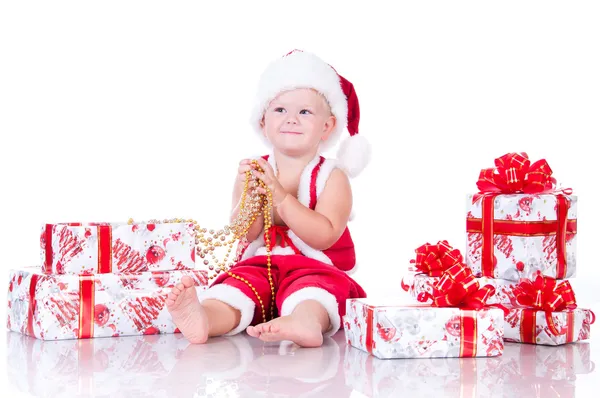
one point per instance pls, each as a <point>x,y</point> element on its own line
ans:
<point>262,126</point>
<point>328,127</point>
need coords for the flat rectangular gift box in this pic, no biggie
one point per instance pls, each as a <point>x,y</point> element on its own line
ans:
<point>512,236</point>
<point>58,307</point>
<point>99,248</point>
<point>402,330</point>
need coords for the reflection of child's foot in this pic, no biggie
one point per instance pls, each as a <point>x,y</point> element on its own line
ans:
<point>301,331</point>
<point>187,312</point>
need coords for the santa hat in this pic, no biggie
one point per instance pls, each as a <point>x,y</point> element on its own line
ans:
<point>300,69</point>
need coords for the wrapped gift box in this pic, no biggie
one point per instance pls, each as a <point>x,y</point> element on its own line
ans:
<point>57,307</point>
<point>526,234</point>
<point>520,222</point>
<point>92,367</point>
<point>521,370</point>
<point>525,325</point>
<point>415,284</point>
<point>98,248</point>
<point>400,330</point>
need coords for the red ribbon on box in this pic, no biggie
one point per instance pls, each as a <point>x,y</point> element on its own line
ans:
<point>514,173</point>
<point>433,260</point>
<point>459,288</point>
<point>104,265</point>
<point>548,295</point>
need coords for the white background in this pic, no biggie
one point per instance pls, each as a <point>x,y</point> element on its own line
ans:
<point>118,109</point>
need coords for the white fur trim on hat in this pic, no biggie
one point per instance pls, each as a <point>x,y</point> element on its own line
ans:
<point>323,297</point>
<point>301,69</point>
<point>235,298</point>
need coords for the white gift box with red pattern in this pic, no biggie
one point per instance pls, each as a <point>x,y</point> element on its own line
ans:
<point>512,236</point>
<point>57,307</point>
<point>414,284</point>
<point>99,248</point>
<point>403,330</point>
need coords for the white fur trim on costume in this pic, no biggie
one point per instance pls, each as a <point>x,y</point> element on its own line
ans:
<point>235,298</point>
<point>253,247</point>
<point>304,185</point>
<point>326,299</point>
<point>324,173</point>
<point>301,69</point>
<point>277,250</point>
<point>354,154</point>
<point>307,250</point>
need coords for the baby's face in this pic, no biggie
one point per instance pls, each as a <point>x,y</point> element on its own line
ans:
<point>297,121</point>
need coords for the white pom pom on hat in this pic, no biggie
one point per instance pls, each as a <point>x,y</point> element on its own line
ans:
<point>300,69</point>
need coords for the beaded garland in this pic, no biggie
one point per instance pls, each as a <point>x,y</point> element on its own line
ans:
<point>250,208</point>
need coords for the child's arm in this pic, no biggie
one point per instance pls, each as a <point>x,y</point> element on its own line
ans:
<point>319,228</point>
<point>257,227</point>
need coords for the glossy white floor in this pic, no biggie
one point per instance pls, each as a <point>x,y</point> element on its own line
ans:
<point>240,366</point>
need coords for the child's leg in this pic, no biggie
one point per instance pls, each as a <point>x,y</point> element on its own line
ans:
<point>226,308</point>
<point>312,301</point>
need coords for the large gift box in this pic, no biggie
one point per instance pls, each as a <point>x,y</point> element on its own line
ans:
<point>520,223</point>
<point>521,371</point>
<point>401,330</point>
<point>98,248</point>
<point>57,307</point>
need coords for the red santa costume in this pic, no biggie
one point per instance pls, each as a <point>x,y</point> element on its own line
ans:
<point>300,272</point>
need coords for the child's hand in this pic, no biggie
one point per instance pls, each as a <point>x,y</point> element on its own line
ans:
<point>271,181</point>
<point>245,165</point>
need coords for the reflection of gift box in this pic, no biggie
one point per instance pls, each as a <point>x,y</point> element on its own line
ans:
<point>521,370</point>
<point>538,327</point>
<point>56,307</point>
<point>520,223</point>
<point>420,283</point>
<point>416,331</point>
<point>99,248</point>
<point>93,367</point>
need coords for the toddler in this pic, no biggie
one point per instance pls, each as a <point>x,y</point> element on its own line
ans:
<point>303,105</point>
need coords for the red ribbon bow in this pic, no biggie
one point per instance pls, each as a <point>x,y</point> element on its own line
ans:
<point>281,231</point>
<point>514,173</point>
<point>458,287</point>
<point>433,260</point>
<point>546,294</point>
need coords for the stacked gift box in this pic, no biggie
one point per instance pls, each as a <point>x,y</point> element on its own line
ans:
<point>102,280</point>
<point>521,249</point>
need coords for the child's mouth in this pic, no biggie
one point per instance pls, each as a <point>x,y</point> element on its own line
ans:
<point>291,132</point>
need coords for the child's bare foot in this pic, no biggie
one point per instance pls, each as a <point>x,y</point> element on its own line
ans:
<point>187,312</point>
<point>305,333</point>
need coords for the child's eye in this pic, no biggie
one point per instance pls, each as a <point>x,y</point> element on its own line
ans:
<point>302,112</point>
<point>279,109</point>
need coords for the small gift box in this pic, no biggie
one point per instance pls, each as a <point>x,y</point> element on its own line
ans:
<point>547,314</point>
<point>433,260</point>
<point>399,330</point>
<point>58,307</point>
<point>520,223</point>
<point>100,248</point>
